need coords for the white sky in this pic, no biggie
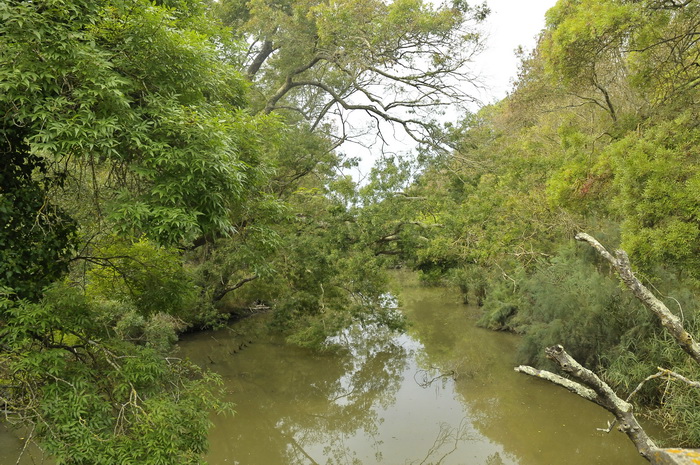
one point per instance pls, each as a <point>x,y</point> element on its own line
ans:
<point>512,23</point>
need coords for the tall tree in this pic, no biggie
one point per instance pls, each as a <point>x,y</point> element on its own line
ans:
<point>397,61</point>
<point>123,134</point>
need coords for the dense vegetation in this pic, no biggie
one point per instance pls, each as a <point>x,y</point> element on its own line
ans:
<point>600,134</point>
<point>167,163</point>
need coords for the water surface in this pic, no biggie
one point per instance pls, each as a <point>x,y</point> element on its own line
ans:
<point>445,393</point>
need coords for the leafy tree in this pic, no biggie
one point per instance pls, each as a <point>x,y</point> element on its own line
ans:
<point>165,147</point>
<point>125,135</point>
<point>598,134</point>
<point>91,393</point>
<point>657,179</point>
<point>319,60</point>
<point>584,45</point>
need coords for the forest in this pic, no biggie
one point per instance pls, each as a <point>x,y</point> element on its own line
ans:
<point>168,165</point>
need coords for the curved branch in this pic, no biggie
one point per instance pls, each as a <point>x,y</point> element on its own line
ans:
<point>221,294</point>
<point>370,109</point>
<point>289,84</point>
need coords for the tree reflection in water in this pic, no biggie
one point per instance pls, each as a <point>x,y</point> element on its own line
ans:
<point>446,442</point>
<point>373,365</point>
<point>450,399</point>
<point>295,406</point>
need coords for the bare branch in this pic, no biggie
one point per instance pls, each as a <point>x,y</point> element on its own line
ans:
<point>595,390</point>
<point>668,320</point>
<point>416,129</point>
<point>663,372</point>
<point>289,84</point>
<point>576,388</point>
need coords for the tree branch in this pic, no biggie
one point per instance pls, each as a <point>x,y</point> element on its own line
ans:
<point>589,386</point>
<point>576,388</point>
<point>608,102</point>
<point>668,320</point>
<point>289,84</point>
<point>221,294</point>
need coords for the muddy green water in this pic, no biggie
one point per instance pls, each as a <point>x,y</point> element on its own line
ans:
<point>389,403</point>
<point>445,393</point>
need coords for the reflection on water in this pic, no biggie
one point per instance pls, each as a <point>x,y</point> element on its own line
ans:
<point>445,393</point>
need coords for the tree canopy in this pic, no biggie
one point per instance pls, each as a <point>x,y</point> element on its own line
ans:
<point>397,62</point>
<point>167,164</point>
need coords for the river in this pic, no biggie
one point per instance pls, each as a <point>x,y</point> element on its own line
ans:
<point>443,393</point>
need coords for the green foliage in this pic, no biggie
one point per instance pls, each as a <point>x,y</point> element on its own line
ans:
<point>165,143</point>
<point>582,31</point>
<point>569,299</point>
<point>149,277</point>
<point>397,61</point>
<point>36,236</point>
<point>502,303</point>
<point>657,177</point>
<point>97,395</point>
<point>121,117</point>
<point>599,135</point>
<point>327,277</point>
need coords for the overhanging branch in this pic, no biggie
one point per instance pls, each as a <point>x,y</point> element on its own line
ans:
<point>621,263</point>
<point>221,294</point>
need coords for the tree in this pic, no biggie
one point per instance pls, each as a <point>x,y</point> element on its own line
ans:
<point>584,46</point>
<point>396,62</point>
<point>663,51</point>
<point>598,134</point>
<point>124,135</point>
<point>308,64</point>
<point>165,148</point>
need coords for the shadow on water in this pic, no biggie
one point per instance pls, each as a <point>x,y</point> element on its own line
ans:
<point>445,393</point>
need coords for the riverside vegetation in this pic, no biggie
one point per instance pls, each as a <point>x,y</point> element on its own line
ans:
<point>168,162</point>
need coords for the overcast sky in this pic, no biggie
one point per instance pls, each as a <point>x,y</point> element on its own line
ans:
<point>512,23</point>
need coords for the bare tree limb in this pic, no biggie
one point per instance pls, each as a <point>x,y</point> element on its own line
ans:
<point>594,389</point>
<point>668,320</point>
<point>573,386</point>
<point>663,372</point>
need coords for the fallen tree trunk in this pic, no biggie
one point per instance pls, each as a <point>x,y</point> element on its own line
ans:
<point>588,385</point>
